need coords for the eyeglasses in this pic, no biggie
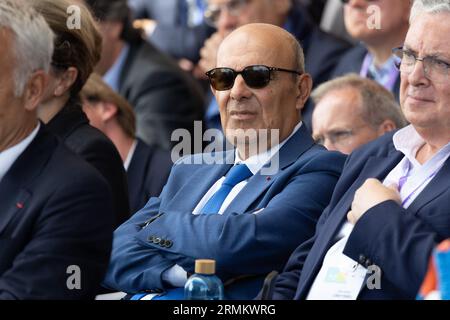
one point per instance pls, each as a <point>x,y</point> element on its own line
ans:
<point>255,77</point>
<point>233,7</point>
<point>337,137</point>
<point>435,69</point>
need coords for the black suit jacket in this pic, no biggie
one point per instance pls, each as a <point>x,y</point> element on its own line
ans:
<point>55,212</point>
<point>147,174</point>
<point>352,62</point>
<point>322,51</point>
<point>163,96</point>
<point>399,241</point>
<point>72,126</point>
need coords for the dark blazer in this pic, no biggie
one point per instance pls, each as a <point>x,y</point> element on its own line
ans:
<point>352,62</point>
<point>255,234</point>
<point>163,96</point>
<point>397,240</point>
<point>322,50</point>
<point>72,126</point>
<point>55,212</point>
<point>147,174</point>
<point>171,35</point>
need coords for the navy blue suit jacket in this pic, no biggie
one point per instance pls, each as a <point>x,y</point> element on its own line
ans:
<point>397,240</point>
<point>147,174</point>
<point>165,232</point>
<point>55,212</point>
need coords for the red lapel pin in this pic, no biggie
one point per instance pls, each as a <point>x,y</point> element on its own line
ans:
<point>19,205</point>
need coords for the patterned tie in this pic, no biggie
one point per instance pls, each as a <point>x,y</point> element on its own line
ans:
<point>236,174</point>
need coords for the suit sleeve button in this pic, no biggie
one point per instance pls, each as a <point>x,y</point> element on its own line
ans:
<point>168,243</point>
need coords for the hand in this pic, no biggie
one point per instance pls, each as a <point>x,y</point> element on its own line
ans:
<point>145,24</point>
<point>370,194</point>
<point>208,54</point>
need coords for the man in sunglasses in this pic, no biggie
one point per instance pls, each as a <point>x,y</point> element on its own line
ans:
<point>390,208</point>
<point>236,210</point>
<point>322,50</point>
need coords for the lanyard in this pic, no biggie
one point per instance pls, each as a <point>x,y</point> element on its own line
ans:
<point>405,177</point>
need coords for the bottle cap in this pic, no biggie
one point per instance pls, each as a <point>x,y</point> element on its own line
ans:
<point>205,266</point>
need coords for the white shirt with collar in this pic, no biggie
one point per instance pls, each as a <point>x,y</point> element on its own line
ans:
<point>176,275</point>
<point>130,155</point>
<point>343,278</point>
<point>10,155</point>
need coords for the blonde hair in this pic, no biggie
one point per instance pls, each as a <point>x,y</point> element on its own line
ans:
<point>74,47</point>
<point>96,90</point>
<point>378,104</point>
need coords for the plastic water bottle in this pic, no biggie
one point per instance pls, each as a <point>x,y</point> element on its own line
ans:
<point>204,284</point>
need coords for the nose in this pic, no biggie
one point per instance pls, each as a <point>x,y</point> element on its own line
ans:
<point>417,76</point>
<point>240,90</point>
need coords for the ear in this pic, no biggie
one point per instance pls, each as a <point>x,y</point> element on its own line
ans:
<point>34,90</point>
<point>108,111</point>
<point>303,90</point>
<point>386,126</point>
<point>65,81</point>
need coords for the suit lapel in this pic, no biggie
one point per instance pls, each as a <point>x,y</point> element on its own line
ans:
<point>198,184</point>
<point>299,143</point>
<point>434,189</point>
<point>14,187</point>
<point>375,167</point>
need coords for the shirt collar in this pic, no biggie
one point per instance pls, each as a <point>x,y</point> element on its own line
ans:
<point>408,141</point>
<point>10,155</point>
<point>256,162</point>
<point>130,154</point>
<point>112,76</point>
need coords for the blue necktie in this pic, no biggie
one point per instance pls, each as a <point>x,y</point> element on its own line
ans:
<point>236,174</point>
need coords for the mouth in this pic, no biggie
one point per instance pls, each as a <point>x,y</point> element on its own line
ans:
<point>420,99</point>
<point>242,115</point>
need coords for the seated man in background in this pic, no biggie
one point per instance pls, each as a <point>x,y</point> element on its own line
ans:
<point>351,111</point>
<point>164,97</point>
<point>147,166</point>
<point>391,205</point>
<point>380,26</point>
<point>246,208</point>
<point>55,209</point>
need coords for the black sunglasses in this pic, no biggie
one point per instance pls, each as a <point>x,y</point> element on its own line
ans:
<point>255,77</point>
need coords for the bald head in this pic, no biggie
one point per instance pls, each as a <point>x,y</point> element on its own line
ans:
<point>246,104</point>
<point>264,41</point>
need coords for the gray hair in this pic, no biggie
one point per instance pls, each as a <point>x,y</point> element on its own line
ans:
<point>378,104</point>
<point>33,41</point>
<point>428,6</point>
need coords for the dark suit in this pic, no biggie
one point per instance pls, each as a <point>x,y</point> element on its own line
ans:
<point>147,174</point>
<point>243,240</point>
<point>72,126</point>
<point>397,240</point>
<point>171,35</point>
<point>352,62</point>
<point>322,50</point>
<point>55,212</point>
<point>163,96</point>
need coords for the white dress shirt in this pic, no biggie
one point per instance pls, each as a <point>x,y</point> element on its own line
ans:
<point>130,155</point>
<point>10,155</point>
<point>176,275</point>
<point>408,142</point>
